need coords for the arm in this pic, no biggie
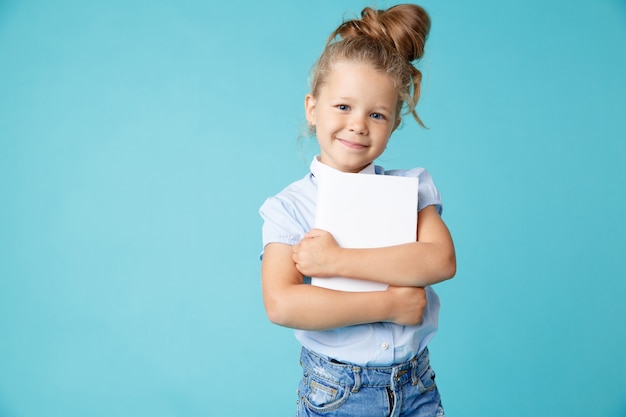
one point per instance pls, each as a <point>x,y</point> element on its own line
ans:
<point>291,303</point>
<point>429,260</point>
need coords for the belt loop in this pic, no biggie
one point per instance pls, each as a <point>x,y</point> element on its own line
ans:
<point>357,378</point>
<point>414,376</point>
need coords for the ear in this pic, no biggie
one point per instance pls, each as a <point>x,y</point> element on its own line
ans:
<point>309,109</point>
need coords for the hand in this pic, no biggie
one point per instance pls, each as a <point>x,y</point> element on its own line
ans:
<point>408,305</point>
<point>315,254</point>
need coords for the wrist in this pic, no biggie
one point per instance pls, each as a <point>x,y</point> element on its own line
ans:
<point>337,263</point>
<point>387,303</point>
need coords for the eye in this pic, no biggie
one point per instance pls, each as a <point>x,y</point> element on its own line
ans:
<point>377,116</point>
<point>343,107</point>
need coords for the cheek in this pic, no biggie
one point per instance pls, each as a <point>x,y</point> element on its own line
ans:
<point>384,134</point>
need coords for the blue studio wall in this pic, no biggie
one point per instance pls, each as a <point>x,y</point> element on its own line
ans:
<point>139,138</point>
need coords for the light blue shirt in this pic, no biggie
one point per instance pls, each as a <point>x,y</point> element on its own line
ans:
<point>290,214</point>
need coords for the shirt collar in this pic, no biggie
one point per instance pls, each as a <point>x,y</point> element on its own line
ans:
<point>318,168</point>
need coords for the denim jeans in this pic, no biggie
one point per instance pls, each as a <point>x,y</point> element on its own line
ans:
<point>335,389</point>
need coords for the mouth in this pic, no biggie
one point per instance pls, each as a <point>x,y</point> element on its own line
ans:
<point>352,145</point>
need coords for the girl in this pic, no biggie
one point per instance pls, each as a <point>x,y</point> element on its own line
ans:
<point>363,353</point>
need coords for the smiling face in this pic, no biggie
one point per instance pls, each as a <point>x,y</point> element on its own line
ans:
<point>354,115</point>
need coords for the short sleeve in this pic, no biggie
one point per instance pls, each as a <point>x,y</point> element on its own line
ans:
<point>427,193</point>
<point>280,222</point>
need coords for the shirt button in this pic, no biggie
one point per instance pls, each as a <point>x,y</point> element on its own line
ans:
<point>384,346</point>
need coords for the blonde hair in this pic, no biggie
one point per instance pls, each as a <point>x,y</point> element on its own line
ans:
<point>387,40</point>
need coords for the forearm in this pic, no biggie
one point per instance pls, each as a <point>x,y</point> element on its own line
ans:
<point>308,307</point>
<point>428,260</point>
<point>411,264</point>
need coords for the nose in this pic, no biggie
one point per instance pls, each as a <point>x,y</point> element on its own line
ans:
<point>358,124</point>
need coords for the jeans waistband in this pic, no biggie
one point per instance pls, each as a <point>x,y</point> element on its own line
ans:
<point>358,376</point>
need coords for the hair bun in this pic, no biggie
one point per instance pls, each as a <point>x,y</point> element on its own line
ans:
<point>405,27</point>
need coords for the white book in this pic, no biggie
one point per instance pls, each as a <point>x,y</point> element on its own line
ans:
<point>365,211</point>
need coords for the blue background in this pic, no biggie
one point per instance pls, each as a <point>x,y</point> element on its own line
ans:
<point>139,138</point>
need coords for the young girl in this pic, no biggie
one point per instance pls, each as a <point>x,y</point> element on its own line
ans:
<point>363,353</point>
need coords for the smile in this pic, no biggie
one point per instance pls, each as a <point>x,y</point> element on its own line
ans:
<point>352,145</point>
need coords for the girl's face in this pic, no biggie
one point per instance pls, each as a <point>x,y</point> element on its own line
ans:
<point>354,115</point>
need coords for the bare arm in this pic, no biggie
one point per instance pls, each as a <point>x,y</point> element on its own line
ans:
<point>428,261</point>
<point>291,303</point>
